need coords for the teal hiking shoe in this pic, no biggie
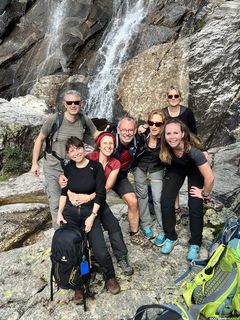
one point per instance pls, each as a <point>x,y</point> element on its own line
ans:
<point>168,246</point>
<point>159,240</point>
<point>193,252</point>
<point>148,233</point>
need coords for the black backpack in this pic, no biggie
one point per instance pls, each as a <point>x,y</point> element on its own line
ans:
<point>162,312</point>
<point>70,257</point>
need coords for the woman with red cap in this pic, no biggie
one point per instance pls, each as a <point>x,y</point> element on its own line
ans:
<point>105,146</point>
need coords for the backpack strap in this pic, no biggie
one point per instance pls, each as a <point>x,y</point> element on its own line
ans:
<point>51,284</point>
<point>54,131</point>
<point>56,125</point>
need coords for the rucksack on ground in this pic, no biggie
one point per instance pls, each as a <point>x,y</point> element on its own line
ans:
<point>215,290</point>
<point>162,312</point>
<point>70,257</point>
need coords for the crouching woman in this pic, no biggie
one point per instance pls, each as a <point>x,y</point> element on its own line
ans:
<point>181,152</point>
<point>86,176</point>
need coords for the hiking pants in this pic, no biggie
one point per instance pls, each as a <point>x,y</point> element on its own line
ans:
<point>173,181</point>
<point>141,179</point>
<point>110,223</point>
<point>76,217</point>
<point>53,191</point>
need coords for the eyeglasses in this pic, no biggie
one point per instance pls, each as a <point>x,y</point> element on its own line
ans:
<point>171,96</point>
<point>76,103</point>
<point>157,124</point>
<point>127,131</point>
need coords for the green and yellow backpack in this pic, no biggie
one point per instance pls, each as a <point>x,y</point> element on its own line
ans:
<point>215,291</point>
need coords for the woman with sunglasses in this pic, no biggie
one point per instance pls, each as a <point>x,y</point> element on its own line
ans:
<point>176,111</point>
<point>181,152</point>
<point>148,167</point>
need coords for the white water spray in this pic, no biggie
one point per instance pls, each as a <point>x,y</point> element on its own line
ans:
<point>54,56</point>
<point>125,23</point>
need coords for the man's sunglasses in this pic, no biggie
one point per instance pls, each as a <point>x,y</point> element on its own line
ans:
<point>171,96</point>
<point>77,103</point>
<point>157,124</point>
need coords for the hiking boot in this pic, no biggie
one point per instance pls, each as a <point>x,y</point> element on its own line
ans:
<point>168,246</point>
<point>159,240</point>
<point>78,297</point>
<point>113,286</point>
<point>138,238</point>
<point>124,265</point>
<point>193,252</point>
<point>148,233</point>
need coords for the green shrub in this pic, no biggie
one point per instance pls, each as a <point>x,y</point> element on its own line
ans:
<point>15,160</point>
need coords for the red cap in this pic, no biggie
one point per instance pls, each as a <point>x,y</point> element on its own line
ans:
<point>105,134</point>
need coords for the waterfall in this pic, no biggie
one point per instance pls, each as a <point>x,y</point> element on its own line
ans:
<point>124,25</point>
<point>53,55</point>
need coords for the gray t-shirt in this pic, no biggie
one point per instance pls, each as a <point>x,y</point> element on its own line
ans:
<point>66,130</point>
<point>194,157</point>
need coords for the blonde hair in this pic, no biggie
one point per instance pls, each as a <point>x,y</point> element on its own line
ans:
<point>189,139</point>
<point>156,111</point>
<point>176,89</point>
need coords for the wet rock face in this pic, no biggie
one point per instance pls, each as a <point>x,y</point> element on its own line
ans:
<point>214,75</point>
<point>45,31</point>
<point>201,57</point>
<point>10,12</point>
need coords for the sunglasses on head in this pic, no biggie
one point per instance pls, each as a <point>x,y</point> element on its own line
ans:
<point>157,124</point>
<point>69,103</point>
<point>171,96</point>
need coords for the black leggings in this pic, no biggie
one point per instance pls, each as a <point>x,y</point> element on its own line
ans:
<point>173,181</point>
<point>110,223</point>
<point>76,217</point>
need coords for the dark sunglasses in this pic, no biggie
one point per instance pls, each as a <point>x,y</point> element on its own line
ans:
<point>157,124</point>
<point>170,96</point>
<point>69,103</point>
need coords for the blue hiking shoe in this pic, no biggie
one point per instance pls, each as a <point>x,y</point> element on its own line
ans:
<point>193,252</point>
<point>148,233</point>
<point>168,246</point>
<point>159,240</point>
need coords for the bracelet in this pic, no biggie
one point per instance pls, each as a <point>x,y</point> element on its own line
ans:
<point>204,195</point>
<point>94,214</point>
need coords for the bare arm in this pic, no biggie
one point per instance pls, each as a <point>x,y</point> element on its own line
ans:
<point>208,176</point>
<point>90,220</point>
<point>36,153</point>
<point>96,134</point>
<point>111,179</point>
<point>80,198</point>
<point>62,202</point>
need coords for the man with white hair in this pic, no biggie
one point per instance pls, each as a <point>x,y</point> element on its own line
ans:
<point>126,147</point>
<point>55,132</point>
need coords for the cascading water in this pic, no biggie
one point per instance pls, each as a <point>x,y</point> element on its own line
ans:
<point>125,23</point>
<point>54,56</point>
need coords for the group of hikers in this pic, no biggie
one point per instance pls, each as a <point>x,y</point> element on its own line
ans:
<point>161,153</point>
